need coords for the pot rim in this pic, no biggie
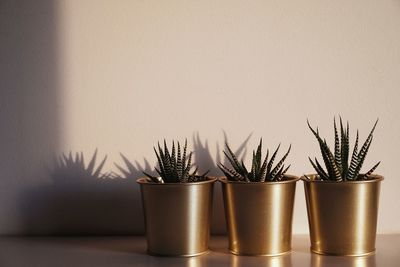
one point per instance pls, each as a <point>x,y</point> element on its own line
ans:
<point>292,179</point>
<point>179,255</point>
<point>376,178</point>
<point>343,254</point>
<point>261,255</point>
<point>143,181</point>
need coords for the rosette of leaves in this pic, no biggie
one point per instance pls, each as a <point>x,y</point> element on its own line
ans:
<point>262,170</point>
<point>337,163</point>
<point>175,167</point>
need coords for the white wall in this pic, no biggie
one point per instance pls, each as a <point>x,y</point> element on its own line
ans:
<point>131,73</point>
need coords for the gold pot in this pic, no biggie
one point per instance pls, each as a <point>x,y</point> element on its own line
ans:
<point>342,216</point>
<point>177,217</point>
<point>259,216</point>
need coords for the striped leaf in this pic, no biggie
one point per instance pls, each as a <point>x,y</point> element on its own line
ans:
<point>278,174</point>
<point>184,157</point>
<point>263,169</point>
<point>186,174</point>
<point>319,171</point>
<point>166,162</point>
<point>281,175</point>
<point>338,167</point>
<point>174,167</point>
<point>244,170</point>
<point>344,148</point>
<point>259,167</point>
<point>364,150</point>
<point>258,158</point>
<point>233,160</point>
<point>354,161</point>
<point>338,155</point>
<point>367,174</point>
<point>328,157</point>
<point>231,174</point>
<point>253,167</point>
<point>271,162</point>
<point>336,171</point>
<point>323,150</point>
<point>280,163</point>
<point>179,164</point>
<point>324,174</point>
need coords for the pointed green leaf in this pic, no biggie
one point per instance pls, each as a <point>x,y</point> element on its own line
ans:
<point>354,161</point>
<point>280,163</point>
<point>271,162</point>
<point>367,174</point>
<point>344,148</point>
<point>338,156</point>
<point>364,150</point>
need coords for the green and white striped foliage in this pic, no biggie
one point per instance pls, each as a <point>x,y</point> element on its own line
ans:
<point>261,170</point>
<point>337,164</point>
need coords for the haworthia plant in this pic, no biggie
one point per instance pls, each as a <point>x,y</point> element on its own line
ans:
<point>261,170</point>
<point>175,167</point>
<point>337,164</point>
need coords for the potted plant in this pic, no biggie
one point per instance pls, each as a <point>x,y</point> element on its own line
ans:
<point>342,203</point>
<point>258,204</point>
<point>177,205</point>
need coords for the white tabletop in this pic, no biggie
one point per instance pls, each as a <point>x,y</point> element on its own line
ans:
<point>131,251</point>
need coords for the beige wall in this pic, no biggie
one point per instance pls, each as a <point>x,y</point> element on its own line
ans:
<point>135,72</point>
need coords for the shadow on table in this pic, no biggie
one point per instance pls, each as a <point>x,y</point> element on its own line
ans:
<point>127,245</point>
<point>84,201</point>
<point>135,247</point>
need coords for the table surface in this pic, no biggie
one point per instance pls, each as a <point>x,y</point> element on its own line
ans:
<point>131,251</point>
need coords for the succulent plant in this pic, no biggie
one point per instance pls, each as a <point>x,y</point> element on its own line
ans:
<point>261,171</point>
<point>175,167</point>
<point>337,164</point>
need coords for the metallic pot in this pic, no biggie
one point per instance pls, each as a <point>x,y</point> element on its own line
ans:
<point>177,217</point>
<point>342,216</point>
<point>259,216</point>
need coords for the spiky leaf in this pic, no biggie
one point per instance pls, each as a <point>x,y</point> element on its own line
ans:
<point>259,167</point>
<point>337,164</point>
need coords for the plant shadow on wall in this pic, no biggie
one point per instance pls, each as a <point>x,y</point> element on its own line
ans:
<point>206,162</point>
<point>84,200</point>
